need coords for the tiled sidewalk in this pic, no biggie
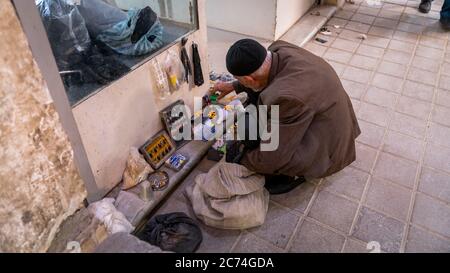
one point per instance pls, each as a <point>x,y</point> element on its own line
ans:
<point>397,193</point>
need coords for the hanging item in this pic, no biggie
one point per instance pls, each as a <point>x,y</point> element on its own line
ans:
<point>161,80</point>
<point>173,232</point>
<point>174,69</point>
<point>185,60</point>
<point>198,72</point>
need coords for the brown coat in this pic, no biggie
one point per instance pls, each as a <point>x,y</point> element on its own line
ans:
<point>318,126</point>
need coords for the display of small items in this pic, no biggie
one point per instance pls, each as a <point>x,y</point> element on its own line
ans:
<point>159,180</point>
<point>176,162</point>
<point>158,149</point>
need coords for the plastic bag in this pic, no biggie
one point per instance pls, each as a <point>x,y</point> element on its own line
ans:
<point>136,171</point>
<point>113,219</point>
<point>66,28</point>
<point>120,37</point>
<point>161,81</point>
<point>173,232</point>
<point>175,70</point>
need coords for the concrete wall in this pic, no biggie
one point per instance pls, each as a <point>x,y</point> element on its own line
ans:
<point>267,19</point>
<point>39,184</point>
<point>255,18</point>
<point>126,114</point>
<point>288,13</point>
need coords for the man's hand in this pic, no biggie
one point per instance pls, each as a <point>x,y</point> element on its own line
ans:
<point>224,88</point>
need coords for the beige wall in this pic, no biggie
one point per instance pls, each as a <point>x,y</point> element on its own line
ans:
<point>288,13</point>
<point>39,184</point>
<point>126,114</point>
<point>267,19</point>
<point>255,18</point>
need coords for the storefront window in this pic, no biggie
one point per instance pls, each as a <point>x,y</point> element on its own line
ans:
<point>95,42</point>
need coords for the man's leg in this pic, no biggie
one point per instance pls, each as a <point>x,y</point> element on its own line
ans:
<point>445,15</point>
<point>425,6</point>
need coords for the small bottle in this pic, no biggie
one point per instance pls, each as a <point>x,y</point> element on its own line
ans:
<point>146,193</point>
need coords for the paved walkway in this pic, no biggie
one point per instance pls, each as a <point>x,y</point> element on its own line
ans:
<point>397,193</point>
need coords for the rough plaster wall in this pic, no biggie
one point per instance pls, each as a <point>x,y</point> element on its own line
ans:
<point>39,184</point>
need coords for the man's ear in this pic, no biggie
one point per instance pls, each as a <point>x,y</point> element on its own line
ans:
<point>248,78</point>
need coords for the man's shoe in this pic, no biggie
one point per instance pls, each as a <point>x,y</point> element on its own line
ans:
<point>280,184</point>
<point>445,23</point>
<point>425,6</point>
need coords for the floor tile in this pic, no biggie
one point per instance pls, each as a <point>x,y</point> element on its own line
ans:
<point>337,55</point>
<point>345,45</point>
<point>386,23</point>
<point>371,134</point>
<point>363,18</point>
<point>413,107</point>
<point>373,113</point>
<point>356,74</point>
<point>365,157</point>
<point>297,199</point>
<point>249,243</point>
<point>371,51</point>
<point>405,36</point>
<point>339,216</point>
<point>408,125</point>
<point>441,115</point>
<point>444,82</point>
<point>278,227</point>
<point>418,90</point>
<point>396,169</point>
<point>377,41</point>
<point>381,97</point>
<point>356,26</point>
<point>421,241</point>
<point>349,182</point>
<point>393,69</point>
<point>373,226</point>
<point>428,64</point>
<point>435,183</point>
<point>437,157</point>
<point>387,82</point>
<point>354,89</point>
<point>422,76</point>
<point>312,238</point>
<point>381,31</point>
<point>403,146</point>
<point>429,52</point>
<point>443,98</point>
<point>389,198</point>
<point>396,56</point>
<point>363,62</point>
<point>432,214</point>
<point>353,246</point>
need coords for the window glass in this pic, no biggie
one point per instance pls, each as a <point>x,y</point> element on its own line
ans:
<point>95,42</point>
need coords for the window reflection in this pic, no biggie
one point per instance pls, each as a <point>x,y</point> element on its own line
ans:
<point>98,41</point>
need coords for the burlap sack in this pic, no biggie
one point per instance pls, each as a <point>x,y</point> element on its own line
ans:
<point>229,196</point>
<point>136,171</point>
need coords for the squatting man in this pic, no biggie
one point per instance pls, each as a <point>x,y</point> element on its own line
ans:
<point>317,123</point>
